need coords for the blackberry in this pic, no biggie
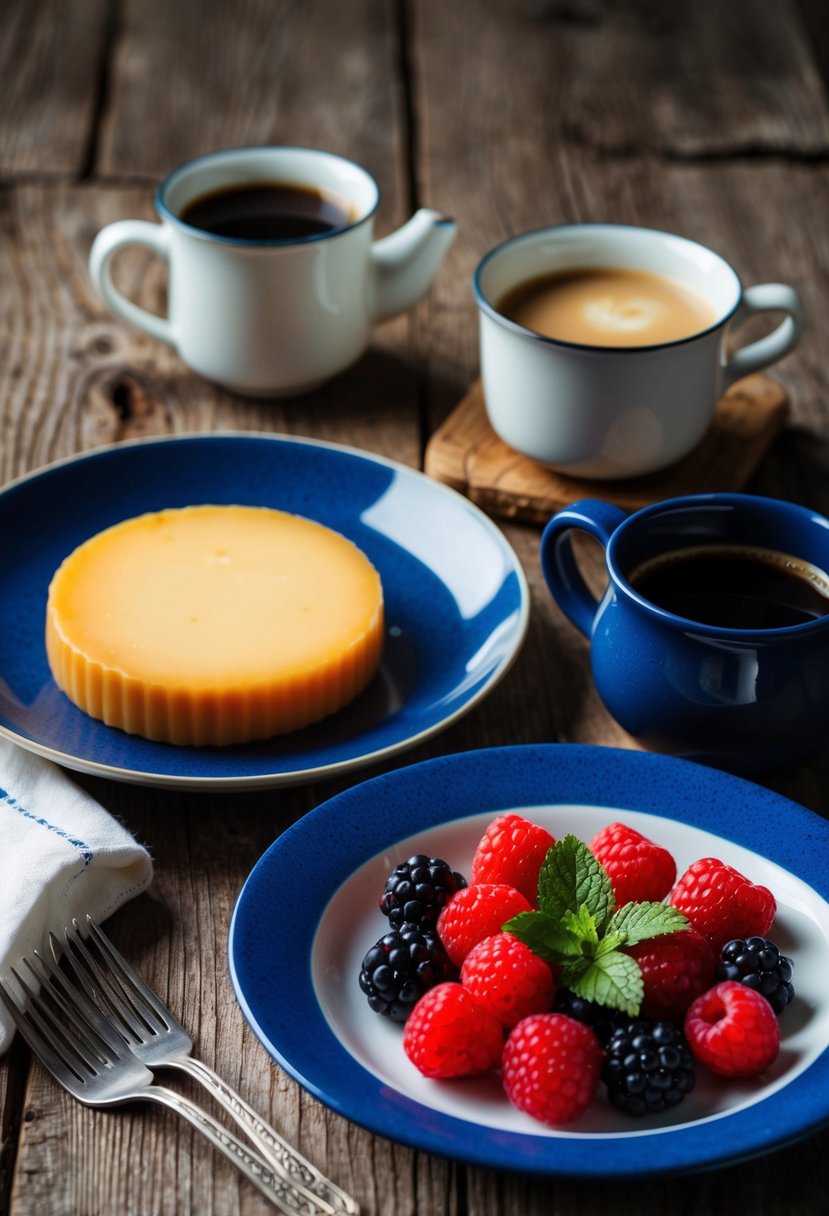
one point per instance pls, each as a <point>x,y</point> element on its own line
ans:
<point>601,1020</point>
<point>400,967</point>
<point>417,889</point>
<point>758,963</point>
<point>648,1067</point>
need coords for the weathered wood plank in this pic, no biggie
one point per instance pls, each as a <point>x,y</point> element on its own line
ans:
<point>51,59</point>
<point>13,1070</point>
<point>191,77</point>
<point>814,20</point>
<point>688,80</point>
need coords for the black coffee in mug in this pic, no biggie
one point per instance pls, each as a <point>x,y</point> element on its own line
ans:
<point>734,586</point>
<point>268,211</point>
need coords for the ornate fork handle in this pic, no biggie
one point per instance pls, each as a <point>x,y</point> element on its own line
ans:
<point>284,1159</point>
<point>273,1185</point>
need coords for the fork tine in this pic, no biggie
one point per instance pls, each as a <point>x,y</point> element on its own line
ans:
<point>115,970</point>
<point>65,1030</point>
<point>87,1021</point>
<point>34,1035</point>
<point>49,1036</point>
<point>131,981</point>
<point>99,986</point>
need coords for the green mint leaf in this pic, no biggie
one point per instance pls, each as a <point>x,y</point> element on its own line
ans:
<point>613,980</point>
<point>572,971</point>
<point>544,936</point>
<point>640,922</point>
<point>570,877</point>
<point>610,942</point>
<point>581,924</point>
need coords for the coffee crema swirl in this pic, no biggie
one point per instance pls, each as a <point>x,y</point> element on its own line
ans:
<point>595,306</point>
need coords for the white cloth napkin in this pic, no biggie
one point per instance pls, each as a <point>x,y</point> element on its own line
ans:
<point>61,855</point>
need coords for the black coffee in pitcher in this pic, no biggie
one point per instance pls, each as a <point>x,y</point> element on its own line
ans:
<point>734,586</point>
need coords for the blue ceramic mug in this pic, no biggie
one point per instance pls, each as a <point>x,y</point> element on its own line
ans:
<point>742,684</point>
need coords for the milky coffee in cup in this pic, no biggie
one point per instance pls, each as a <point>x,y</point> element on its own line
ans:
<point>608,306</point>
<point>586,405</point>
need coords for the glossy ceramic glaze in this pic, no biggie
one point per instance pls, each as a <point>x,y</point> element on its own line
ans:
<point>274,317</point>
<point>747,700</point>
<point>616,412</point>
<point>455,595</point>
<point>323,876</point>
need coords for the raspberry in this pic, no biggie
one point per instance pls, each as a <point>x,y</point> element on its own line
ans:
<point>477,912</point>
<point>507,978</point>
<point>400,967</point>
<point>449,1034</point>
<point>675,969</point>
<point>551,1067</point>
<point>512,851</point>
<point>733,1030</point>
<point>639,869</point>
<point>417,890</point>
<point>757,963</point>
<point>722,903</point>
<point>648,1067</point>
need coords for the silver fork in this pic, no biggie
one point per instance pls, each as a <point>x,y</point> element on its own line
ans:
<point>155,1036</point>
<point>77,1045</point>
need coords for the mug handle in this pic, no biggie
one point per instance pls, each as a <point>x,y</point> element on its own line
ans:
<point>109,240</point>
<point>558,562</point>
<point>765,297</point>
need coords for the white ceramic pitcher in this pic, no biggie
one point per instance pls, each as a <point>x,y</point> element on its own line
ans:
<point>274,318</point>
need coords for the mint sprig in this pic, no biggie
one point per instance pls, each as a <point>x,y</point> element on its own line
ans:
<point>579,928</point>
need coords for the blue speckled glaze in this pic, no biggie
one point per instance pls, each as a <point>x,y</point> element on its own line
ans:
<point>302,870</point>
<point>455,595</point>
<point>746,700</point>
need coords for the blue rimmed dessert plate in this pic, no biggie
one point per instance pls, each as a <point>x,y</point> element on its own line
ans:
<point>455,596</point>
<point>308,913</point>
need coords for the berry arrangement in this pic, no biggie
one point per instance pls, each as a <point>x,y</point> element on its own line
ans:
<point>572,968</point>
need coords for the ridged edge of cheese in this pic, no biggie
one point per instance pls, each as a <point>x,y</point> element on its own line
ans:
<point>205,717</point>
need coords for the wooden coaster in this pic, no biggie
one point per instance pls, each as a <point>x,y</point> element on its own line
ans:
<point>466,454</point>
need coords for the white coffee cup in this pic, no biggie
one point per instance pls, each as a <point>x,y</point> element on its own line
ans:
<point>273,318</point>
<point>611,411</point>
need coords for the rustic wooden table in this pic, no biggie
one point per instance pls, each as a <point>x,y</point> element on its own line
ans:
<point>706,118</point>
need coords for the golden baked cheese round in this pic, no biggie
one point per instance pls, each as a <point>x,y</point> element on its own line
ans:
<point>212,625</point>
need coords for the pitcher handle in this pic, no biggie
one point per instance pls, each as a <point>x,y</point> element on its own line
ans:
<point>558,561</point>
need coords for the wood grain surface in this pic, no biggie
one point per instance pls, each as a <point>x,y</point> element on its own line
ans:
<point>705,118</point>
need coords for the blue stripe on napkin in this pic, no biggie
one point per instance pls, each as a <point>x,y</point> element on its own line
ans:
<point>84,849</point>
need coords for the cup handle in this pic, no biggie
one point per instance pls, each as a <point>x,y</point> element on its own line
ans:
<point>765,297</point>
<point>109,240</point>
<point>558,562</point>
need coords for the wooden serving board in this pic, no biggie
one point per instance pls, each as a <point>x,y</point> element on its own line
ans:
<point>466,454</point>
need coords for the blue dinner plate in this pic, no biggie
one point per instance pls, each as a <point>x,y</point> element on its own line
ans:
<point>309,911</point>
<point>456,599</point>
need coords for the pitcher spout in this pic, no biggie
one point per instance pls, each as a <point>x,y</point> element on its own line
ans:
<point>406,261</point>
